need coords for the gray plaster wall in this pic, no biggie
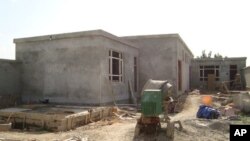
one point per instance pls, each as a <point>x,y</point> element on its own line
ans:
<point>69,70</point>
<point>9,82</point>
<point>185,57</point>
<point>224,68</point>
<point>247,76</point>
<point>117,91</point>
<point>157,59</point>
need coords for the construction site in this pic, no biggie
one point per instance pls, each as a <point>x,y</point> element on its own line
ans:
<point>96,86</point>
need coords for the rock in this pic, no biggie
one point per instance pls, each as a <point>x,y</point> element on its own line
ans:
<point>227,111</point>
<point>242,101</point>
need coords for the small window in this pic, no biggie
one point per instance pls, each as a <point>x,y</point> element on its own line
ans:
<point>115,66</point>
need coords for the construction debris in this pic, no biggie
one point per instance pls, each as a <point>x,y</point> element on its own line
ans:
<point>124,114</point>
<point>195,92</point>
<point>121,122</point>
<point>223,88</point>
<point>228,112</point>
<point>76,138</point>
<point>242,101</point>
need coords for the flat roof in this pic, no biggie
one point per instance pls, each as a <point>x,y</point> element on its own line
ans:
<point>98,32</point>
<point>172,35</point>
<point>221,59</point>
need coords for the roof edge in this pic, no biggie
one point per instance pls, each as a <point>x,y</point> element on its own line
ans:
<point>151,36</point>
<point>171,35</point>
<point>98,32</point>
<point>9,60</point>
<point>220,59</point>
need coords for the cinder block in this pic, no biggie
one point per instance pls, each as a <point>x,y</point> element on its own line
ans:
<point>5,126</point>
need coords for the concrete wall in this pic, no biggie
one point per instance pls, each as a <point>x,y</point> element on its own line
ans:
<point>185,57</point>
<point>224,68</point>
<point>9,83</point>
<point>68,70</point>
<point>247,76</point>
<point>117,91</point>
<point>157,59</point>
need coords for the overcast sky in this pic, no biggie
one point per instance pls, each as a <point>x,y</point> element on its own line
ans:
<point>220,26</point>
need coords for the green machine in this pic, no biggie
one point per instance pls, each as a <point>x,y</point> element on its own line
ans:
<point>155,98</point>
<point>152,102</point>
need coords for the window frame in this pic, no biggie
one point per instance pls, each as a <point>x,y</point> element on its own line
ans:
<point>203,68</point>
<point>120,65</point>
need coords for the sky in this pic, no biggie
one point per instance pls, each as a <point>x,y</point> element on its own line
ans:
<point>220,26</point>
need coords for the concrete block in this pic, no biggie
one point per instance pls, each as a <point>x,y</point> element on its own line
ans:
<point>5,126</point>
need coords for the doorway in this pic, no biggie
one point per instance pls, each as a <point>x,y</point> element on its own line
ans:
<point>179,75</point>
<point>232,73</point>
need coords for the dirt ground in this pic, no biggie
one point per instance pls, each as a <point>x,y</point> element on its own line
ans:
<point>123,129</point>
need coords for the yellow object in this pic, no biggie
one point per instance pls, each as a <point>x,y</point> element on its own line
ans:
<point>207,100</point>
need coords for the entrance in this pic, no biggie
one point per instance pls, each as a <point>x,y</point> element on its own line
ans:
<point>232,73</point>
<point>179,75</point>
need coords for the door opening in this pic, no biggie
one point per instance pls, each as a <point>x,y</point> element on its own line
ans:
<point>232,73</point>
<point>179,75</point>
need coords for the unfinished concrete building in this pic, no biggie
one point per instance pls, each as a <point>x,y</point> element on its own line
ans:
<point>208,73</point>
<point>96,67</point>
<point>91,67</point>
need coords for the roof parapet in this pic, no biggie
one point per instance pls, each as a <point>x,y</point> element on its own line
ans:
<point>98,32</point>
